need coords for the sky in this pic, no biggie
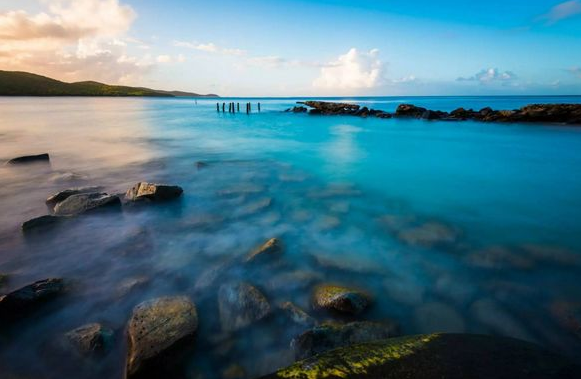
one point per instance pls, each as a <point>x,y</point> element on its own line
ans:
<point>301,47</point>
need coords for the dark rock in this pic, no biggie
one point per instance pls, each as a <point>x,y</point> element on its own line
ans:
<point>155,328</point>
<point>297,315</point>
<point>271,248</point>
<point>462,114</point>
<point>27,298</point>
<point>84,202</point>
<point>436,356</point>
<point>63,195</point>
<point>409,110</point>
<point>241,305</point>
<point>297,110</point>
<point>234,372</point>
<point>154,192</point>
<point>30,159</point>
<point>568,315</point>
<point>331,336</point>
<point>341,299</point>
<point>328,108</point>
<point>3,280</point>
<point>434,115</point>
<point>90,339</point>
<point>429,234</point>
<point>41,222</point>
<point>201,165</point>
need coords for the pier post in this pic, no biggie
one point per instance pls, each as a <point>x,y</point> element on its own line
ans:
<point>259,107</point>
<point>238,106</point>
<point>250,107</point>
<point>218,107</point>
<point>223,107</point>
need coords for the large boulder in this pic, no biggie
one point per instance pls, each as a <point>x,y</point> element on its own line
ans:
<point>27,298</point>
<point>331,336</point>
<point>154,192</point>
<point>268,250</point>
<point>84,202</point>
<point>435,356</point>
<point>155,328</point>
<point>65,194</point>
<point>90,339</point>
<point>30,159</point>
<point>340,299</point>
<point>241,305</point>
<point>409,110</point>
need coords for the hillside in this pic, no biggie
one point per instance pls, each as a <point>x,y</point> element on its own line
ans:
<point>16,83</point>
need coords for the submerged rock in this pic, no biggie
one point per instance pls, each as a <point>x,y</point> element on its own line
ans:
<point>129,285</point>
<point>294,280</point>
<point>435,356</point>
<point>3,280</point>
<point>25,299</point>
<point>81,203</point>
<point>241,305</point>
<point>499,257</point>
<point>568,315</point>
<point>153,192</point>
<point>438,317</point>
<point>297,315</point>
<point>63,195</point>
<point>254,207</point>
<point>90,339</point>
<point>234,372</point>
<point>155,327</point>
<point>30,159</point>
<point>341,299</point>
<point>268,250</point>
<point>41,222</point>
<point>430,234</point>
<point>331,336</point>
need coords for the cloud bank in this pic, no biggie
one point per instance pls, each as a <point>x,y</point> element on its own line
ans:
<point>490,76</point>
<point>353,70</point>
<point>72,40</point>
<point>562,11</point>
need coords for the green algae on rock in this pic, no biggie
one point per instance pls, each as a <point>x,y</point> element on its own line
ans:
<point>339,298</point>
<point>435,356</point>
<point>269,249</point>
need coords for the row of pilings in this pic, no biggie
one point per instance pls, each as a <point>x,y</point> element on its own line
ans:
<point>235,107</point>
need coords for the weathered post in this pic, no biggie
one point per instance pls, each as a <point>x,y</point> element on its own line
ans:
<point>238,106</point>
<point>218,107</point>
<point>259,107</point>
<point>223,107</point>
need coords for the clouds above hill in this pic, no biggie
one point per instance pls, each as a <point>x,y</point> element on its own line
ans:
<point>353,70</point>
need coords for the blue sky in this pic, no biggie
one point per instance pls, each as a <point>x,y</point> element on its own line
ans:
<point>301,48</point>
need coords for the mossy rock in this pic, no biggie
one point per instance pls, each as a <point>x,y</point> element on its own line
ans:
<point>435,356</point>
<point>340,299</point>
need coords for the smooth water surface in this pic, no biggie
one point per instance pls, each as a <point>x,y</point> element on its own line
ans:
<point>462,226</point>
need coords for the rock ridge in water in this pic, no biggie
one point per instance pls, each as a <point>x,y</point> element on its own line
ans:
<point>435,356</point>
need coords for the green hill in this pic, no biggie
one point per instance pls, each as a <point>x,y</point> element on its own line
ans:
<point>17,83</point>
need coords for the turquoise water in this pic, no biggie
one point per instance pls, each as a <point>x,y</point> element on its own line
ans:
<point>349,197</point>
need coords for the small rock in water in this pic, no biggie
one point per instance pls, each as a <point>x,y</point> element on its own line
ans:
<point>90,339</point>
<point>30,159</point>
<point>3,280</point>
<point>297,315</point>
<point>81,203</point>
<point>331,336</point>
<point>341,299</point>
<point>14,304</point>
<point>241,305</point>
<point>131,284</point>
<point>64,177</point>
<point>268,250</point>
<point>201,165</point>
<point>499,257</point>
<point>327,223</point>
<point>438,317</point>
<point>63,195</point>
<point>154,192</point>
<point>41,222</point>
<point>243,189</point>
<point>234,372</point>
<point>430,234</point>
<point>552,254</point>
<point>155,327</point>
<point>254,207</point>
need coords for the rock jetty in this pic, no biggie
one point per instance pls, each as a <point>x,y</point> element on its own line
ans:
<point>548,113</point>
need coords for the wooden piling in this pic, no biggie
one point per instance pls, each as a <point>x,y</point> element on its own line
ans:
<point>223,107</point>
<point>259,107</point>
<point>218,107</point>
<point>238,106</point>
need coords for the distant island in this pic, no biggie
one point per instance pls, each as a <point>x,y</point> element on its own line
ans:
<point>18,83</point>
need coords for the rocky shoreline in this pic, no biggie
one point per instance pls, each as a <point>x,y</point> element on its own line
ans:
<point>569,114</point>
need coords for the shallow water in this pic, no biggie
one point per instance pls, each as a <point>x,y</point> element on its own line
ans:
<point>349,197</point>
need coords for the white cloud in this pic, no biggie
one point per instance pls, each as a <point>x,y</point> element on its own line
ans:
<point>209,48</point>
<point>352,70</point>
<point>72,40</point>
<point>406,79</point>
<point>164,59</point>
<point>562,11</point>
<point>491,75</point>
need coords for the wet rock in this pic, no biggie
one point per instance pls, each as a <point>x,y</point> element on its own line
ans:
<point>498,257</point>
<point>30,159</point>
<point>63,195</point>
<point>491,314</point>
<point>294,280</point>
<point>39,223</point>
<point>328,108</point>
<point>297,110</point>
<point>438,317</point>
<point>568,315</point>
<point>268,250</point>
<point>234,372</point>
<point>450,356</point>
<point>430,234</point>
<point>29,297</point>
<point>241,305</point>
<point>551,254</point>
<point>132,284</point>
<point>254,207</point>
<point>201,165</point>
<point>331,336</point>
<point>462,114</point>
<point>90,339</point>
<point>3,280</point>
<point>153,192</point>
<point>242,189</point>
<point>81,203</point>
<point>155,327</point>
<point>327,223</point>
<point>297,315</point>
<point>339,298</point>
<point>65,177</point>
<point>409,110</point>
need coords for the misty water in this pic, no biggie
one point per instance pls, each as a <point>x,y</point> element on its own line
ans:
<point>351,199</point>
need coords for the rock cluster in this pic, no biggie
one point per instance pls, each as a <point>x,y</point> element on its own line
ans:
<point>328,108</point>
